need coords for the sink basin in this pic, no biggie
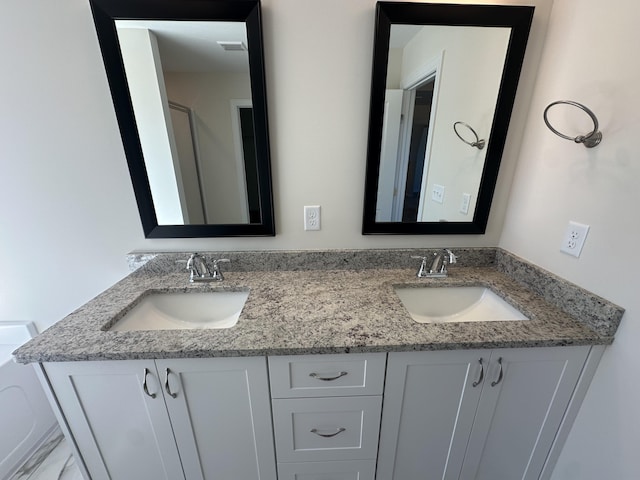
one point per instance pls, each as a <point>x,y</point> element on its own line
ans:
<point>179,310</point>
<point>456,304</point>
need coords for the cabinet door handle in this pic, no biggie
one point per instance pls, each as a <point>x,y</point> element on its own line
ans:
<point>479,381</point>
<point>493,384</point>
<point>144,384</point>
<point>328,435</point>
<point>166,384</point>
<point>327,379</point>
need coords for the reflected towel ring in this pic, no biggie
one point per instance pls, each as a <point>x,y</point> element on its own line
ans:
<point>479,144</point>
<point>589,140</point>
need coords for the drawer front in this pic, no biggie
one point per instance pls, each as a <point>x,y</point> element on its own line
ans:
<point>344,470</point>
<point>332,428</point>
<point>327,375</point>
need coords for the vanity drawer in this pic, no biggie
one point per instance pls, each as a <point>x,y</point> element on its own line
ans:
<point>343,470</point>
<point>332,428</point>
<point>327,375</point>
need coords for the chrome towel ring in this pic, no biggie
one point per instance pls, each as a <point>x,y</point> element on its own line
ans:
<point>589,140</point>
<point>479,144</point>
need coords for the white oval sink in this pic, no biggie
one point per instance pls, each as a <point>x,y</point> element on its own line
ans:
<point>177,311</point>
<point>456,304</point>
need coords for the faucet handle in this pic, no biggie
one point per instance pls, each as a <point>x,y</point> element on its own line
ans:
<point>216,273</point>
<point>423,265</point>
<point>452,258</point>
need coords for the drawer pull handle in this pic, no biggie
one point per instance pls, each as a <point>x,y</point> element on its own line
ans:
<point>493,384</point>
<point>144,384</point>
<point>327,379</point>
<point>327,435</point>
<point>166,384</point>
<point>479,381</point>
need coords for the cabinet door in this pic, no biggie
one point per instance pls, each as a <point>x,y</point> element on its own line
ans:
<point>525,395</point>
<point>121,432</point>
<point>221,417</point>
<point>429,406</point>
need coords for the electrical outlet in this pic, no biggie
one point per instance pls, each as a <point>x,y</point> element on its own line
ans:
<point>464,204</point>
<point>437,193</point>
<point>312,217</point>
<point>574,237</point>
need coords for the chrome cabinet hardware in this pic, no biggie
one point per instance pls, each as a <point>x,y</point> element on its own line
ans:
<point>144,384</point>
<point>166,384</point>
<point>327,379</point>
<point>327,435</point>
<point>479,381</point>
<point>496,382</point>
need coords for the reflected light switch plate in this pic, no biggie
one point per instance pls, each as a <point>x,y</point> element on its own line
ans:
<point>464,204</point>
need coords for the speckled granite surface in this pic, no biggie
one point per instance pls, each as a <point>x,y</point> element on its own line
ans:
<point>597,313</point>
<point>313,260</point>
<point>354,309</point>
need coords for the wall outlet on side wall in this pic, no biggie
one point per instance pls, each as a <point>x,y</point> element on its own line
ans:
<point>574,237</point>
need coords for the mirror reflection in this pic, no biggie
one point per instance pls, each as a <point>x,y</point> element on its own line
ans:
<point>437,75</point>
<point>190,89</point>
<point>443,84</point>
<point>192,112</point>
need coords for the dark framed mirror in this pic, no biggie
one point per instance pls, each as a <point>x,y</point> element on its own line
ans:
<point>188,86</point>
<point>443,85</point>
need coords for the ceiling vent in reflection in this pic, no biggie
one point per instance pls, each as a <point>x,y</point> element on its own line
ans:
<point>232,46</point>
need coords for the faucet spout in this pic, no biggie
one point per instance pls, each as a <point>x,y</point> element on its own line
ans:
<point>197,267</point>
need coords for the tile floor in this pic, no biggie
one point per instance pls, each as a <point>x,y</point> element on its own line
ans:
<point>52,461</point>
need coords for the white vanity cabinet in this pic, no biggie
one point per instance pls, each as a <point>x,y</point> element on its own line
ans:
<point>169,419</point>
<point>474,415</point>
<point>326,414</point>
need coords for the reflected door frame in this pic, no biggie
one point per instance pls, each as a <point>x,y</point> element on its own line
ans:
<point>432,69</point>
<point>236,128</point>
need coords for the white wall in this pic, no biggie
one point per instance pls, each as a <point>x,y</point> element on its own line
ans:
<point>591,57</point>
<point>66,203</point>
<point>143,67</point>
<point>209,95</point>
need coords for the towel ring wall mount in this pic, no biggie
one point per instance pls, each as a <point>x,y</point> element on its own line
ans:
<point>479,144</point>
<point>589,140</point>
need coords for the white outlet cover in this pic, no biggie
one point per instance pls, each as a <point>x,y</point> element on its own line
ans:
<point>437,193</point>
<point>574,238</point>
<point>312,217</point>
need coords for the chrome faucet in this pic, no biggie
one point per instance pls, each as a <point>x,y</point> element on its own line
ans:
<point>439,263</point>
<point>199,271</point>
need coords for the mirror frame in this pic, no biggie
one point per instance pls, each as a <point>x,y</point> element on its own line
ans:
<point>105,12</point>
<point>519,19</point>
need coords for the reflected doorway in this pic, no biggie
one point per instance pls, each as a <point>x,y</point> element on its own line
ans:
<point>422,102</point>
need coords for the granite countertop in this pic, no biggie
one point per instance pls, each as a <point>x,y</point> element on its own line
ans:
<point>308,312</point>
